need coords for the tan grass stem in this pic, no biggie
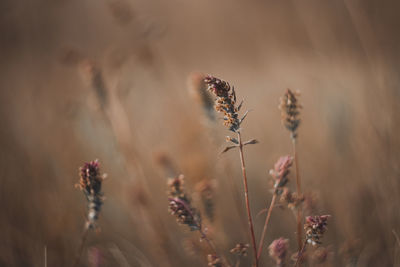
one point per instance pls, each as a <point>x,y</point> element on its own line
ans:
<point>260,244</point>
<point>298,190</point>
<point>246,194</point>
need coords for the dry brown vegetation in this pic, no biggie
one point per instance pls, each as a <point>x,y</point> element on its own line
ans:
<point>111,79</point>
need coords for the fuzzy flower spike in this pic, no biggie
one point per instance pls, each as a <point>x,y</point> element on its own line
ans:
<point>180,204</point>
<point>290,109</point>
<point>90,183</point>
<point>278,250</point>
<point>225,103</point>
<point>315,228</point>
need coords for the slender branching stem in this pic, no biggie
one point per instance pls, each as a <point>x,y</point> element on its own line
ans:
<point>261,243</point>
<point>298,190</point>
<point>81,247</point>
<point>246,194</point>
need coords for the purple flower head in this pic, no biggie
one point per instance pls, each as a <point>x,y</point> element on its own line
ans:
<point>278,250</point>
<point>315,227</point>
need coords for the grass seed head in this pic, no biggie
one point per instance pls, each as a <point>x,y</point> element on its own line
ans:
<point>290,109</point>
<point>225,101</point>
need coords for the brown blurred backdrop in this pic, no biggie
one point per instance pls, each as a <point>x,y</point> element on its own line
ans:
<point>107,79</point>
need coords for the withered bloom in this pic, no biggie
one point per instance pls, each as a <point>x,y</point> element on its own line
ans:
<point>290,111</point>
<point>278,250</point>
<point>90,183</point>
<point>315,227</point>
<point>180,204</point>
<point>225,102</point>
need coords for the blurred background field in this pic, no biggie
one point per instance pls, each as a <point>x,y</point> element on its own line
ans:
<point>109,79</point>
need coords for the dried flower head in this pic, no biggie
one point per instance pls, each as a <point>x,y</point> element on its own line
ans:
<point>240,249</point>
<point>180,204</point>
<point>90,183</point>
<point>278,250</point>
<point>214,260</point>
<point>315,227</point>
<point>280,172</point>
<point>290,107</point>
<point>225,102</point>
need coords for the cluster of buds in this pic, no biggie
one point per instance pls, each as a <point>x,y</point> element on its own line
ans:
<point>90,183</point>
<point>290,111</point>
<point>278,250</point>
<point>315,227</point>
<point>240,249</point>
<point>180,205</point>
<point>225,102</point>
<point>214,261</point>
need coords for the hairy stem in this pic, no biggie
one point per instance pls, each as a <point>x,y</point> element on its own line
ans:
<point>246,194</point>
<point>81,247</point>
<point>261,243</point>
<point>298,190</point>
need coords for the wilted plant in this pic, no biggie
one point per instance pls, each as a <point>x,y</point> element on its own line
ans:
<point>226,103</point>
<point>278,250</point>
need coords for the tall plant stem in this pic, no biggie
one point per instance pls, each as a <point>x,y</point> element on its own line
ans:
<point>246,194</point>
<point>261,243</point>
<point>298,190</point>
<point>81,247</point>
